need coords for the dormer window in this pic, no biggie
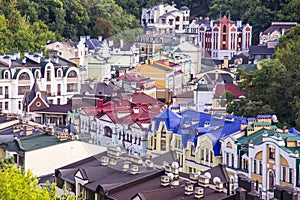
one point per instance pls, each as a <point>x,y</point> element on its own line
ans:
<point>72,74</point>
<point>6,75</point>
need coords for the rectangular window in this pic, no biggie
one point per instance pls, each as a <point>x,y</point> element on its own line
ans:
<point>227,159</point>
<point>6,92</point>
<point>1,105</point>
<point>272,153</point>
<point>260,167</point>
<point>72,87</point>
<point>23,89</point>
<point>1,90</point>
<point>163,145</point>
<point>283,171</point>
<point>202,154</point>
<point>232,160</point>
<point>254,167</point>
<point>192,150</point>
<point>38,120</point>
<point>291,175</point>
<point>6,105</point>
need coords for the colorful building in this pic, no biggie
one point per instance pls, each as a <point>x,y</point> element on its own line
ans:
<point>221,38</point>
<point>194,136</point>
<point>263,153</point>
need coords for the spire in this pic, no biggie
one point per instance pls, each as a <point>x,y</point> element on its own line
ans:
<point>35,87</point>
<point>220,15</point>
<point>229,15</point>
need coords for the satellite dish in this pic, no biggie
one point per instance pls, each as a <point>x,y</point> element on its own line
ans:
<point>274,118</point>
<point>216,180</point>
<point>207,174</point>
<point>175,165</point>
<point>171,176</point>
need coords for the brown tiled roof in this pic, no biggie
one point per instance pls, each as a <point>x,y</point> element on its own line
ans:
<point>279,26</point>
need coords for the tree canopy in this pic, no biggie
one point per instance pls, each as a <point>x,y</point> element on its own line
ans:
<point>275,87</point>
<point>29,24</point>
<point>18,184</point>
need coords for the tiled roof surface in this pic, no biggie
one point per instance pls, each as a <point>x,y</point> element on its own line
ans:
<point>260,50</point>
<point>220,89</point>
<point>279,27</point>
<point>171,119</point>
<point>142,98</point>
<point>33,142</point>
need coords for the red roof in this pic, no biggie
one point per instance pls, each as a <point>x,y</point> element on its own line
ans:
<point>220,89</point>
<point>132,77</point>
<point>142,99</point>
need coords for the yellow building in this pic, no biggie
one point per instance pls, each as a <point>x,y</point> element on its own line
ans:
<point>167,76</point>
<point>193,136</point>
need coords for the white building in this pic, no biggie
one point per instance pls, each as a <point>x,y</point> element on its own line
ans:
<point>44,153</point>
<point>58,76</point>
<point>166,18</point>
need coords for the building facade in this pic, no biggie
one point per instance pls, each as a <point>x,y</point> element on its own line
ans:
<point>220,38</point>
<point>194,137</point>
<point>264,153</point>
<point>59,77</point>
<point>165,18</point>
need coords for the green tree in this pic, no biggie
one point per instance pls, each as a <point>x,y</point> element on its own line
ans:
<point>18,184</point>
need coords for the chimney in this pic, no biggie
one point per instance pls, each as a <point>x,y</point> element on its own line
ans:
<point>198,192</point>
<point>136,110</point>
<point>100,103</point>
<point>134,169</point>
<point>189,188</point>
<point>125,166</point>
<point>112,161</point>
<point>240,193</point>
<point>194,177</point>
<point>164,180</point>
<point>203,180</point>
<point>104,160</point>
<point>100,38</point>
<point>82,39</point>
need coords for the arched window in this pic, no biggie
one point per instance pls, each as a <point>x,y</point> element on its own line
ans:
<point>271,180</point>
<point>59,73</point>
<point>24,76</point>
<point>37,74</point>
<point>72,74</point>
<point>107,131</point>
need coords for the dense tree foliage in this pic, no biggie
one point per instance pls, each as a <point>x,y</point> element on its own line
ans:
<point>275,87</point>
<point>69,19</point>
<point>17,184</point>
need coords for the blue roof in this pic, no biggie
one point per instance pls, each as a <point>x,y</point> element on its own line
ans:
<point>251,119</point>
<point>294,131</point>
<point>93,44</point>
<point>263,116</point>
<point>171,119</point>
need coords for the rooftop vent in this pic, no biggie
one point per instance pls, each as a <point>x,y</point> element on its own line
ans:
<point>112,161</point>
<point>104,160</point>
<point>134,169</point>
<point>189,188</point>
<point>164,180</point>
<point>125,166</point>
<point>199,192</point>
